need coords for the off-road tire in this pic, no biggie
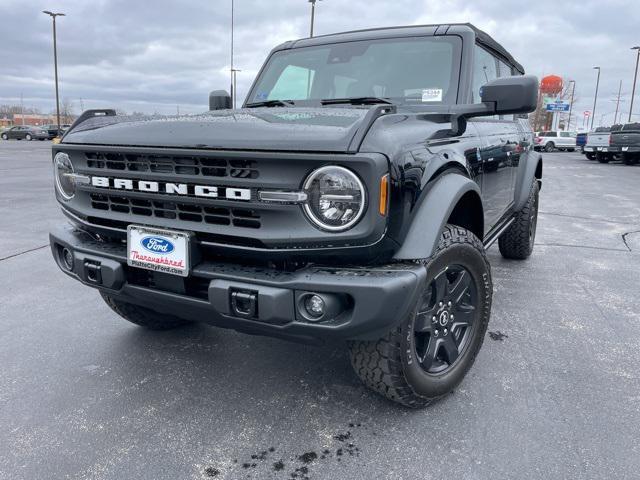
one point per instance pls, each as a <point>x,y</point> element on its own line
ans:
<point>389,365</point>
<point>517,241</point>
<point>549,147</point>
<point>142,316</point>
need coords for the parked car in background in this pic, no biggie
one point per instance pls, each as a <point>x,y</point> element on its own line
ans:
<point>581,141</point>
<point>550,141</point>
<point>598,143</point>
<point>52,130</point>
<point>26,132</point>
<point>626,143</point>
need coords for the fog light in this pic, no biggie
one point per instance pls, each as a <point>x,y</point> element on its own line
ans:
<point>314,305</point>
<point>67,258</point>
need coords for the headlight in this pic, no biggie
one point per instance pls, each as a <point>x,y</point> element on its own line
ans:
<point>336,198</point>
<point>63,171</point>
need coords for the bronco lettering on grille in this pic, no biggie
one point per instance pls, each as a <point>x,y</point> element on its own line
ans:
<point>208,191</point>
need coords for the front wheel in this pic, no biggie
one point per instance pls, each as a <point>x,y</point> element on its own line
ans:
<point>5,136</point>
<point>517,241</point>
<point>550,147</point>
<point>428,354</point>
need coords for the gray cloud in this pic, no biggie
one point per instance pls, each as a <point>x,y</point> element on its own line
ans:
<point>152,56</point>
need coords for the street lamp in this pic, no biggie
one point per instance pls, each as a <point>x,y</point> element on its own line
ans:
<point>313,14</point>
<point>55,61</point>
<point>573,91</point>
<point>595,99</point>
<point>232,89</point>
<point>235,88</point>
<point>635,77</point>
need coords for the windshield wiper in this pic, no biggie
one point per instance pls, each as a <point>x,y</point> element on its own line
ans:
<point>271,103</point>
<point>355,101</point>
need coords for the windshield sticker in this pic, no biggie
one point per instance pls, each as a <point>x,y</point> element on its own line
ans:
<point>432,95</point>
<point>262,95</point>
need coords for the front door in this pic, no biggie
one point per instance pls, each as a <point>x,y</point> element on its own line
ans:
<point>498,166</point>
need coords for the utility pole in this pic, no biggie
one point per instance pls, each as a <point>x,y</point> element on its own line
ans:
<point>22,107</point>
<point>595,99</point>
<point>81,105</point>
<point>573,91</point>
<point>232,90</point>
<point>615,117</point>
<point>55,61</point>
<point>313,15</point>
<point>635,77</point>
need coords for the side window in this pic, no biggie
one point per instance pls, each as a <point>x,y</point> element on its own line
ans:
<point>485,69</point>
<point>505,70</point>
<point>293,84</point>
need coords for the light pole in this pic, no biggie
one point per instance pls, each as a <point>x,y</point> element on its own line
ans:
<point>313,14</point>
<point>615,117</point>
<point>55,61</point>
<point>231,89</point>
<point>573,91</point>
<point>635,77</point>
<point>595,99</point>
<point>235,86</point>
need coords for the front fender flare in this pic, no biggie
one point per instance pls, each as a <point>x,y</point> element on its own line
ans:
<point>433,213</point>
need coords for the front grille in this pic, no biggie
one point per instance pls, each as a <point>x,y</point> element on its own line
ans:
<point>238,217</point>
<point>173,164</point>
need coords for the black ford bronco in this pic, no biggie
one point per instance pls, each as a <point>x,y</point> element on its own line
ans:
<point>352,197</point>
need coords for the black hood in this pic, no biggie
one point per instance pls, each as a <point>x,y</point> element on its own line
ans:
<point>295,129</point>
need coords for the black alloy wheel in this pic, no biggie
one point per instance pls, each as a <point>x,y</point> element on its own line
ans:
<point>445,319</point>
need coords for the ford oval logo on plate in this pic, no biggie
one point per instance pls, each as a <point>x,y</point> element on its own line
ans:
<point>157,245</point>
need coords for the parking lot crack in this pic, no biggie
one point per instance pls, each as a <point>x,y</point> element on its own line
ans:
<point>624,239</point>
<point>584,246</point>
<point>23,252</point>
<point>590,219</point>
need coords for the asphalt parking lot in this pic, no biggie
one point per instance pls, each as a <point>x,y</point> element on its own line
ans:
<point>555,392</point>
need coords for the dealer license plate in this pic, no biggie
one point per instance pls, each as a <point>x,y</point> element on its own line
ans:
<point>158,250</point>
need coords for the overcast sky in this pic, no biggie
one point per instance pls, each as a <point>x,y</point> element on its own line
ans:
<point>151,56</point>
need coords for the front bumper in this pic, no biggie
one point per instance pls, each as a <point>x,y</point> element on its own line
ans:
<point>369,301</point>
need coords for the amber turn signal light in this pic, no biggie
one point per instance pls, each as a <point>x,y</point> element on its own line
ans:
<point>384,195</point>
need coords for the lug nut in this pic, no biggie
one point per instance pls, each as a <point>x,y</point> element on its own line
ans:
<point>441,304</point>
<point>434,319</point>
<point>446,331</point>
<point>436,333</point>
<point>452,316</point>
<point>449,304</point>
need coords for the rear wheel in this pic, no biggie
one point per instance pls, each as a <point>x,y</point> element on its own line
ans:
<point>602,157</point>
<point>430,352</point>
<point>141,316</point>
<point>518,240</point>
<point>629,159</point>
<point>590,156</point>
<point>28,137</point>
<point>550,147</point>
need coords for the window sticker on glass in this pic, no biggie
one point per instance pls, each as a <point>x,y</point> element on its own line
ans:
<point>432,95</point>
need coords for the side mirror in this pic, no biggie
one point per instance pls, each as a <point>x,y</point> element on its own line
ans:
<point>517,94</point>
<point>219,100</point>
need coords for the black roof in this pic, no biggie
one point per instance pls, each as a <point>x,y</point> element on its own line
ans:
<point>438,29</point>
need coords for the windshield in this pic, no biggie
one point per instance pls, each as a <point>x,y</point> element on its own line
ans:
<point>404,70</point>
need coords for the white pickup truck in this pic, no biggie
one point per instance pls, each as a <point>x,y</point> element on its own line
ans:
<point>597,146</point>
<point>550,141</point>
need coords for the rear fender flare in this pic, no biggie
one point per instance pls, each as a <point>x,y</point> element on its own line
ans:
<point>532,169</point>
<point>433,213</point>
